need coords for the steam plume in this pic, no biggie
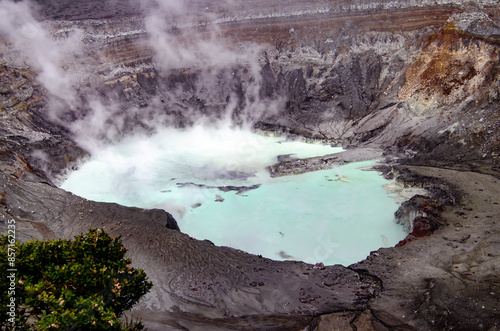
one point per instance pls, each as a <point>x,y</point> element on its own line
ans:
<point>33,44</point>
<point>226,78</point>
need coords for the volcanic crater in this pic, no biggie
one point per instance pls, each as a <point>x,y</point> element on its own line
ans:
<point>415,84</point>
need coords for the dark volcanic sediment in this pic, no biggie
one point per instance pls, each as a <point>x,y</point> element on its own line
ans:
<point>414,83</point>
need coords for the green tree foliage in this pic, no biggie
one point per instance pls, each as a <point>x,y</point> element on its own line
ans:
<point>80,284</point>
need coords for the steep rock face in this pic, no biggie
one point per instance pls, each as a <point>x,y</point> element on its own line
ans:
<point>451,68</point>
<point>456,79</point>
<point>27,135</point>
<point>415,79</point>
<point>418,81</point>
<point>422,77</point>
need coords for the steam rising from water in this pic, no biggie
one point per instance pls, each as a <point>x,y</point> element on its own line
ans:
<point>134,145</point>
<point>224,80</point>
<point>134,170</point>
<point>215,184</point>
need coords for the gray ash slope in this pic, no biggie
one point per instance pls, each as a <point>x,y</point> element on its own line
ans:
<point>417,81</point>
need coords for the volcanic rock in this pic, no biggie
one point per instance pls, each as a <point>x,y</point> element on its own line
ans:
<point>413,84</point>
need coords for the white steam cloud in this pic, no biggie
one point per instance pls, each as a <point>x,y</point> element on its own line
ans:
<point>181,36</point>
<point>35,46</point>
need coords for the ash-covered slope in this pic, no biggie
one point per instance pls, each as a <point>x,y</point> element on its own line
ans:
<point>419,80</point>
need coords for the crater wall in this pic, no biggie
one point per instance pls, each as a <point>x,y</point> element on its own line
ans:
<point>418,81</point>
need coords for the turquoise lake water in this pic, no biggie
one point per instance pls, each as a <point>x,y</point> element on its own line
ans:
<point>215,184</point>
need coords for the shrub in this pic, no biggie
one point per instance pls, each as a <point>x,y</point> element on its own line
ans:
<point>80,284</point>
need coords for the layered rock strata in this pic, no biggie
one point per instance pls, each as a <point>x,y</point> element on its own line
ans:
<point>417,83</point>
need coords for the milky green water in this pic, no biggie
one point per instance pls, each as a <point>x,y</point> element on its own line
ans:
<point>331,216</point>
